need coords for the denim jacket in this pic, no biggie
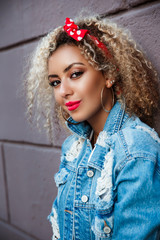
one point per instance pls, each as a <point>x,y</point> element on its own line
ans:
<point>113,190</point>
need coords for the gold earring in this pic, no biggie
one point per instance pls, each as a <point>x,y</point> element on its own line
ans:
<point>108,111</point>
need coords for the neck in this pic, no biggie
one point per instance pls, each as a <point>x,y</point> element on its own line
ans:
<point>98,121</point>
<point>98,124</point>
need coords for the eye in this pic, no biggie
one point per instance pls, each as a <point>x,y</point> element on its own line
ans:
<point>54,83</point>
<point>76,74</point>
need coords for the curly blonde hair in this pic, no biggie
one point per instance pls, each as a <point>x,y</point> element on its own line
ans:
<point>135,77</point>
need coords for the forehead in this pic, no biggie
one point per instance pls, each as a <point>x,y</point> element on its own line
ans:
<point>66,55</point>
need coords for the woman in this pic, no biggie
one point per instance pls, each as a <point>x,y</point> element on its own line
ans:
<point>109,177</point>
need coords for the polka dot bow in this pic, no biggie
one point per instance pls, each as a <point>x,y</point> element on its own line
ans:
<point>73,30</point>
<point>78,34</point>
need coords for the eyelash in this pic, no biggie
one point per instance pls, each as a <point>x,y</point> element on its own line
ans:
<point>56,82</point>
<point>78,74</point>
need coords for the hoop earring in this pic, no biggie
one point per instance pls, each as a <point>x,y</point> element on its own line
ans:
<point>66,118</point>
<point>108,111</point>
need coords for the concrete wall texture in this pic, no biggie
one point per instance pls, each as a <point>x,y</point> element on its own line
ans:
<point>27,160</point>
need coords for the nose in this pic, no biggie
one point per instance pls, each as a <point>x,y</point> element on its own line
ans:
<point>65,88</point>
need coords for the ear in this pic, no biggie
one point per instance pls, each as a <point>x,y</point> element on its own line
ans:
<point>109,83</point>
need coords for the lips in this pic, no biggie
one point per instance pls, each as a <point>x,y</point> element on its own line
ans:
<point>72,105</point>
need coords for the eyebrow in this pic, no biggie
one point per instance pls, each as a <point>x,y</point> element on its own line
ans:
<point>66,69</point>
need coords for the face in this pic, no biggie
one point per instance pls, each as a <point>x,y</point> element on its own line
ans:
<point>77,85</point>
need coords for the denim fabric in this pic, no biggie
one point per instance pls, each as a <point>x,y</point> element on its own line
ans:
<point>113,190</point>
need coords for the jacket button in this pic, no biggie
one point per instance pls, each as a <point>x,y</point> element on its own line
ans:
<point>84,198</point>
<point>90,173</point>
<point>107,229</point>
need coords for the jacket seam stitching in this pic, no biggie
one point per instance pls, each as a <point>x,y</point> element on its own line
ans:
<point>124,144</point>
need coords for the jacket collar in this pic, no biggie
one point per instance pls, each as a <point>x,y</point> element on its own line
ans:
<point>113,123</point>
<point>103,146</point>
<point>103,150</point>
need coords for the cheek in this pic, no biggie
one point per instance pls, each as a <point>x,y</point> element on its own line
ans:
<point>94,90</point>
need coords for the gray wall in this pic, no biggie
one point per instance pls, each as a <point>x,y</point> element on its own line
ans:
<point>27,160</point>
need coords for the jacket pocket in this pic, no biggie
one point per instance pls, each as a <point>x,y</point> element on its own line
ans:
<point>102,225</point>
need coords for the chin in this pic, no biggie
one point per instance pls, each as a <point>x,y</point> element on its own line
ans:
<point>78,118</point>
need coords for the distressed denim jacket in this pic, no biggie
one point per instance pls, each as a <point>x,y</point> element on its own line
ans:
<point>113,190</point>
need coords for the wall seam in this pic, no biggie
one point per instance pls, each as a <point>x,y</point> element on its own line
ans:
<point>129,9</point>
<point>6,183</point>
<point>112,13</point>
<point>21,43</point>
<point>30,144</point>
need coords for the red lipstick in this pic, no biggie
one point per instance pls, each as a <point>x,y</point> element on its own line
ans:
<point>72,105</point>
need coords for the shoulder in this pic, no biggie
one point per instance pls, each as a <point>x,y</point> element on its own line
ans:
<point>139,137</point>
<point>136,140</point>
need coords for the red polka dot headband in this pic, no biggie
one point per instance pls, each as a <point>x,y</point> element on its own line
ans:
<point>78,34</point>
